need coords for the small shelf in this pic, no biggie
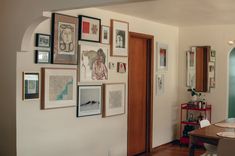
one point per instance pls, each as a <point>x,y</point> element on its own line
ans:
<point>189,123</point>
<point>185,106</point>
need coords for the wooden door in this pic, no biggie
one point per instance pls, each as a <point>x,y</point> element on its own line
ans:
<point>139,94</point>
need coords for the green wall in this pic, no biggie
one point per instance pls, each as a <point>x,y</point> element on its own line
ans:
<point>231,111</point>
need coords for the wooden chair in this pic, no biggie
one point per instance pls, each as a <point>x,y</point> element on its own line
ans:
<point>226,147</point>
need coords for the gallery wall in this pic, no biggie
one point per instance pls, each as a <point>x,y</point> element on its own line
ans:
<point>217,37</point>
<point>59,132</point>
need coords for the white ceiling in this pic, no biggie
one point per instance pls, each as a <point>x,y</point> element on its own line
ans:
<point>181,12</point>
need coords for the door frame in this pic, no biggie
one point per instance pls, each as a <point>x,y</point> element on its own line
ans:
<point>149,90</point>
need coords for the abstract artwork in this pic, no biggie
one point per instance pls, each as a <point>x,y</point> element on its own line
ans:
<point>30,85</point>
<point>58,88</point>
<point>119,37</point>
<point>93,63</point>
<point>89,28</point>
<point>114,99</point>
<point>64,39</point>
<point>162,57</point>
<point>89,100</point>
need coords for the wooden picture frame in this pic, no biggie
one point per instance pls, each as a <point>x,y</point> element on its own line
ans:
<point>89,28</point>
<point>58,88</point>
<point>42,40</point>
<point>30,85</point>
<point>119,38</point>
<point>89,100</point>
<point>42,57</point>
<point>64,39</point>
<point>114,99</point>
<point>105,34</point>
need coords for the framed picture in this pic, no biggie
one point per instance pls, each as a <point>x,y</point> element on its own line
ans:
<point>93,63</point>
<point>112,66</point>
<point>58,88</point>
<point>43,40</point>
<point>30,85</point>
<point>42,56</point>
<point>89,28</point>
<point>64,39</point>
<point>212,55</point>
<point>89,100</point>
<point>114,99</point>
<point>121,67</point>
<point>191,67</point>
<point>105,34</point>
<point>119,38</point>
<point>212,82</point>
<point>162,57</point>
<point>160,78</point>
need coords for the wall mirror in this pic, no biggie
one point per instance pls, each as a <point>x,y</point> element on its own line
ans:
<point>197,67</point>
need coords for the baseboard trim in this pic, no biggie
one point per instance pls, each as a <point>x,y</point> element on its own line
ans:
<point>165,145</point>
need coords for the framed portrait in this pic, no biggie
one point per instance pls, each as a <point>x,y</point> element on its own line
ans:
<point>105,34</point>
<point>212,55</point>
<point>89,100</point>
<point>43,40</point>
<point>114,99</point>
<point>160,84</point>
<point>64,39</point>
<point>162,57</point>
<point>30,85</point>
<point>42,56</point>
<point>119,38</point>
<point>121,67</point>
<point>93,63</point>
<point>89,28</point>
<point>58,88</point>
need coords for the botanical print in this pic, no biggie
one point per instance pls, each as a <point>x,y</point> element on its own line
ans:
<point>66,38</point>
<point>115,99</point>
<point>60,88</point>
<point>93,63</point>
<point>120,39</point>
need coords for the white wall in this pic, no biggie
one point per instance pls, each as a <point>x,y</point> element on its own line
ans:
<point>59,132</point>
<point>217,37</point>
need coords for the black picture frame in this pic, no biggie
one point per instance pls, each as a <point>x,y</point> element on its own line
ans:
<point>30,85</point>
<point>89,37</point>
<point>40,59</point>
<point>42,40</point>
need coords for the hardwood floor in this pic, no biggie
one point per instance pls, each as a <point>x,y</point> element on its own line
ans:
<point>174,149</point>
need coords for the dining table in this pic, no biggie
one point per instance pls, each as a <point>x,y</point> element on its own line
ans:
<point>209,134</point>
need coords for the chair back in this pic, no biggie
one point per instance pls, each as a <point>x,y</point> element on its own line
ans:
<point>226,147</point>
<point>204,123</point>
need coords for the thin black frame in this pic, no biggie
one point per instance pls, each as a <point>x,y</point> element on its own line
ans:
<point>30,96</point>
<point>80,28</point>
<point>101,99</point>
<point>37,40</point>
<point>37,58</point>
<point>101,34</point>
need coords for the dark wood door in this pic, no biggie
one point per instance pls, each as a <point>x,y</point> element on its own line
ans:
<point>138,108</point>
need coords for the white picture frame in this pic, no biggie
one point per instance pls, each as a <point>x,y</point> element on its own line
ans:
<point>160,84</point>
<point>162,57</point>
<point>105,34</point>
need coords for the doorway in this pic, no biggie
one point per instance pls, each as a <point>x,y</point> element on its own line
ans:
<point>140,90</point>
<point>231,108</point>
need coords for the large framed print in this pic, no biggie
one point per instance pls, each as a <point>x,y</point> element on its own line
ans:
<point>162,57</point>
<point>89,28</point>
<point>114,99</point>
<point>93,62</point>
<point>64,39</point>
<point>30,85</point>
<point>58,88</point>
<point>89,100</point>
<point>119,38</point>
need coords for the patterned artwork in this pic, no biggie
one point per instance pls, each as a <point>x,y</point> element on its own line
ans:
<point>93,63</point>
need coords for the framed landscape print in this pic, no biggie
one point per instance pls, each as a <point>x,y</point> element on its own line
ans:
<point>42,56</point>
<point>93,63</point>
<point>105,34</point>
<point>43,40</point>
<point>30,85</point>
<point>89,100</point>
<point>119,38</point>
<point>89,28</point>
<point>64,39</point>
<point>114,99</point>
<point>58,88</point>
<point>162,57</point>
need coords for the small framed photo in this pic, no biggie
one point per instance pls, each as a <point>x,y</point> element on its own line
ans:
<point>112,66</point>
<point>30,85</point>
<point>105,34</point>
<point>42,56</point>
<point>58,88</point>
<point>160,82</point>
<point>89,100</point>
<point>43,40</point>
<point>119,38</point>
<point>114,99</point>
<point>121,67</point>
<point>89,28</point>
<point>64,39</point>
<point>162,57</point>
<point>212,82</point>
<point>212,55</point>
